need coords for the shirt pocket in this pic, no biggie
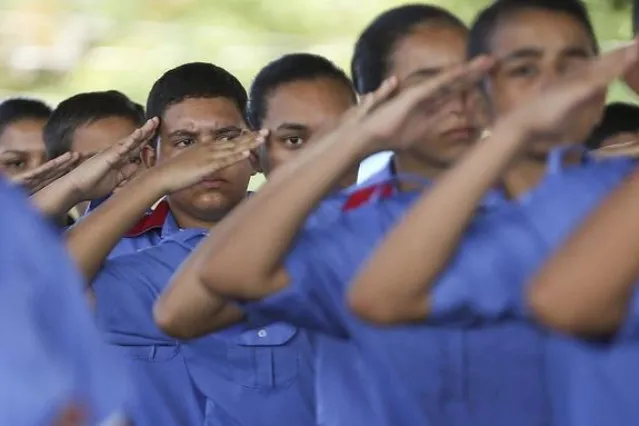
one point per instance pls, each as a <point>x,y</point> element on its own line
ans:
<point>265,358</point>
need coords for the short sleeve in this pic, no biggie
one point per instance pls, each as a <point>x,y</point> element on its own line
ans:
<point>307,302</point>
<point>486,278</point>
<point>126,289</point>
<point>630,328</point>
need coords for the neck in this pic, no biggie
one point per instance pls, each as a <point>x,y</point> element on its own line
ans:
<point>529,172</point>
<point>407,164</point>
<point>187,220</point>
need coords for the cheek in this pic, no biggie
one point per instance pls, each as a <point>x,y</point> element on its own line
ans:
<point>278,155</point>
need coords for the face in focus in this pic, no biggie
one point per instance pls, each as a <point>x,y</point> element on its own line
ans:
<point>297,111</point>
<point>102,134</point>
<point>22,147</point>
<point>426,52</point>
<point>203,120</point>
<point>536,48</point>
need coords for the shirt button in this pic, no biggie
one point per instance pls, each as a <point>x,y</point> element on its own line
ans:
<point>262,333</point>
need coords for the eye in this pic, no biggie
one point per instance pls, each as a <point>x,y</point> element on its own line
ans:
<point>184,142</point>
<point>229,136</point>
<point>294,141</point>
<point>522,71</point>
<point>16,164</point>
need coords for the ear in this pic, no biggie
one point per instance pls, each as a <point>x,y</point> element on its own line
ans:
<point>149,156</point>
<point>254,159</point>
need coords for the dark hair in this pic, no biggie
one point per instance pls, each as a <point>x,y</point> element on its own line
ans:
<point>374,48</point>
<point>287,69</point>
<point>487,21</point>
<point>83,109</point>
<point>18,109</point>
<point>191,81</point>
<point>618,118</point>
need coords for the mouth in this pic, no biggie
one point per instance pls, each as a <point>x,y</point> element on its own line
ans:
<point>213,183</point>
<point>461,133</point>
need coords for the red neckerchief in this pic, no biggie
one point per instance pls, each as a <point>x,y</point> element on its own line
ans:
<point>362,196</point>
<point>153,220</point>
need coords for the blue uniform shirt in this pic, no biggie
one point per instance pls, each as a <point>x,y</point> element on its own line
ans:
<point>53,356</point>
<point>513,243</point>
<point>322,261</point>
<point>247,376</point>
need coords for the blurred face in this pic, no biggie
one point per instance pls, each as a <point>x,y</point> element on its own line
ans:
<point>102,134</point>
<point>426,52</point>
<point>297,111</point>
<point>536,48</point>
<point>22,147</point>
<point>202,120</point>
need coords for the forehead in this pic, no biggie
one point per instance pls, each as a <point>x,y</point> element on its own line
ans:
<point>539,29</point>
<point>202,114</point>
<point>432,46</point>
<point>23,135</point>
<point>101,134</point>
<point>308,102</point>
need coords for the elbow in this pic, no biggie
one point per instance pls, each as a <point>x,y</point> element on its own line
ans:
<point>168,321</point>
<point>565,316</point>
<point>378,310</point>
<point>236,283</point>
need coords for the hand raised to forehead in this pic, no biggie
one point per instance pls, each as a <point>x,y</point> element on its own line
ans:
<point>555,112</point>
<point>201,160</point>
<point>100,174</point>
<point>393,115</point>
<point>36,179</point>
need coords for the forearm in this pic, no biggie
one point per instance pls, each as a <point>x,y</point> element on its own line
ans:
<point>186,309</point>
<point>394,285</point>
<point>91,240</point>
<point>586,285</point>
<point>263,228</point>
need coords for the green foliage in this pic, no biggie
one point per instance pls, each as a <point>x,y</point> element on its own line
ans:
<point>143,38</point>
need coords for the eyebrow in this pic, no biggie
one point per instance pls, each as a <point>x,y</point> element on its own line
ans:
<point>425,72</point>
<point>182,132</point>
<point>533,53</point>
<point>524,53</point>
<point>292,126</point>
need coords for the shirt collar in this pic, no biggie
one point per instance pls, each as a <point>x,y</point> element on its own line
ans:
<point>159,218</point>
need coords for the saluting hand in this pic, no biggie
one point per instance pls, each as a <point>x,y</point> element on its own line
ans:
<point>36,179</point>
<point>393,117</point>
<point>100,174</point>
<point>200,161</point>
<point>556,113</point>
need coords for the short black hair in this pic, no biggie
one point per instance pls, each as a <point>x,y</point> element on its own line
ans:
<point>83,109</point>
<point>192,81</point>
<point>17,109</point>
<point>287,69</point>
<point>618,118</point>
<point>488,20</point>
<point>374,47</point>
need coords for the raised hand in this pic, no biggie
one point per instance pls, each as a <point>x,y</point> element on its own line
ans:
<point>201,160</point>
<point>36,179</point>
<point>100,174</point>
<point>393,117</point>
<point>556,113</point>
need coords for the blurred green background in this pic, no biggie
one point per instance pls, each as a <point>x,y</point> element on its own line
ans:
<point>55,48</point>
